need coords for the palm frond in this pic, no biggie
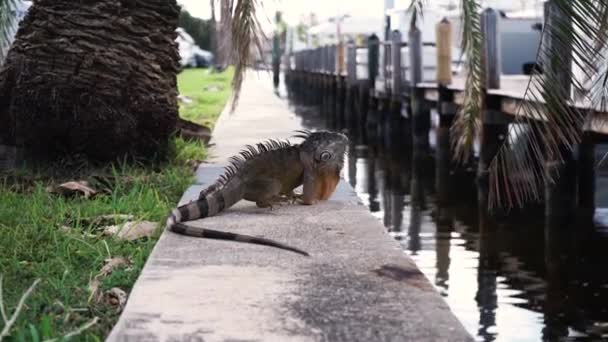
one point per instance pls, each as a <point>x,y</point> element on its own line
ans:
<point>8,23</point>
<point>546,117</point>
<point>416,7</point>
<point>246,33</point>
<point>466,126</point>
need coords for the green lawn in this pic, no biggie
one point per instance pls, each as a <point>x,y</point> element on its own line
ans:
<point>209,97</point>
<point>47,237</point>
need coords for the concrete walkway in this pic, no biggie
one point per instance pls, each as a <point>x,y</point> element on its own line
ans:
<point>358,284</point>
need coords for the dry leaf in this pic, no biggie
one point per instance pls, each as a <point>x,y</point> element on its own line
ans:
<point>110,265</point>
<point>116,297</point>
<point>131,230</point>
<point>73,188</point>
<point>214,88</point>
<point>185,99</point>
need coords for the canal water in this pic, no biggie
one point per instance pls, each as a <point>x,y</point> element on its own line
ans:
<point>517,281</point>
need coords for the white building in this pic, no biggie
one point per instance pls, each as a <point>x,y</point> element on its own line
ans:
<point>520,36</point>
<point>355,28</point>
<point>190,53</point>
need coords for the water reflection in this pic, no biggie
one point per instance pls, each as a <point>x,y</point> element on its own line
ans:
<point>508,282</point>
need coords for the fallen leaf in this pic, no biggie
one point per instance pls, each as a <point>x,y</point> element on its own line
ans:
<point>214,88</point>
<point>111,264</point>
<point>131,230</point>
<point>73,188</point>
<point>185,99</point>
<point>116,297</point>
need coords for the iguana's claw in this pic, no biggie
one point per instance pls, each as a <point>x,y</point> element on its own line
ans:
<point>294,197</point>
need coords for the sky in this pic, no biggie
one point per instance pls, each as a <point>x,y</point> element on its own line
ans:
<point>292,9</point>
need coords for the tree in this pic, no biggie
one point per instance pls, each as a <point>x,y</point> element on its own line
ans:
<point>224,38</point>
<point>92,77</point>
<point>213,28</point>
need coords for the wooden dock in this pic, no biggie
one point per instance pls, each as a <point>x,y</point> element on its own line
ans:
<point>359,86</point>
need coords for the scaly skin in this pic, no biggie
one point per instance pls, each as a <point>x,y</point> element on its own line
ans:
<point>268,174</point>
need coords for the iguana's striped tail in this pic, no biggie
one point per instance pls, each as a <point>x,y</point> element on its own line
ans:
<point>201,209</point>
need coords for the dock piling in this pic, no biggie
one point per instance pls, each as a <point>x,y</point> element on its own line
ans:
<point>446,110</point>
<point>560,187</point>
<point>495,124</point>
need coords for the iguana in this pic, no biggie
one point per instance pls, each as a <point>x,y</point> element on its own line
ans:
<point>267,174</point>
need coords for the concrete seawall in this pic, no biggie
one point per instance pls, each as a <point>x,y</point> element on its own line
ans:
<point>358,284</point>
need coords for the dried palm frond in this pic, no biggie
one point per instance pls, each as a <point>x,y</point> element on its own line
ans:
<point>466,126</point>
<point>417,9</point>
<point>246,32</point>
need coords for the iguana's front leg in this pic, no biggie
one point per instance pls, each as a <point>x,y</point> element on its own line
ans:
<point>264,192</point>
<point>270,203</point>
<point>308,193</point>
<point>308,179</point>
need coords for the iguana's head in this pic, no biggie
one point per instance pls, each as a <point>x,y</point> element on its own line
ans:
<point>323,154</point>
<point>326,149</point>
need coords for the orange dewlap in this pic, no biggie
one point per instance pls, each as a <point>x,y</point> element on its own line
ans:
<point>325,185</point>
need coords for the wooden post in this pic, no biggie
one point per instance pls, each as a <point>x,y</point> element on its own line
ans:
<point>415,52</point>
<point>490,25</point>
<point>489,264</point>
<point>560,189</point>
<point>421,121</point>
<point>351,60</point>
<point>386,61</point>
<point>586,178</point>
<point>368,98</point>
<point>446,110</point>
<point>336,58</point>
<point>371,120</point>
<point>350,84</point>
<point>444,52</point>
<point>373,52</point>
<point>396,64</point>
<point>560,256</point>
<point>421,116</point>
<point>308,67</point>
<point>340,97</point>
<point>495,124</point>
<point>325,63</point>
<point>331,58</point>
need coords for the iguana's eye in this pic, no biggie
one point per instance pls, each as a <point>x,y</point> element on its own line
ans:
<point>325,156</point>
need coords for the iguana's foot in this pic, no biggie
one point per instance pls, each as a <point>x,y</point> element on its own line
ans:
<point>264,205</point>
<point>292,197</point>
<point>278,200</point>
<point>301,201</point>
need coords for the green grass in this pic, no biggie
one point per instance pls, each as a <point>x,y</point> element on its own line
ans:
<point>208,99</point>
<point>34,245</point>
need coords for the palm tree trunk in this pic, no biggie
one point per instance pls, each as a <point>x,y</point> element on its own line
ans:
<point>224,42</point>
<point>213,29</point>
<point>91,77</point>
